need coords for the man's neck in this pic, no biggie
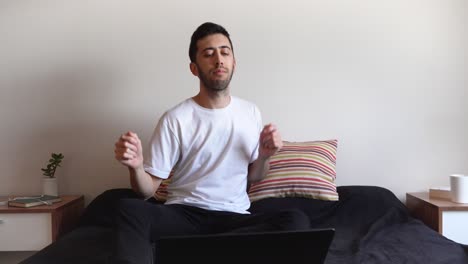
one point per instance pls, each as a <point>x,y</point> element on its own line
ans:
<point>213,99</point>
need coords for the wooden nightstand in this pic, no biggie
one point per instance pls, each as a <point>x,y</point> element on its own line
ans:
<point>444,216</point>
<point>31,229</point>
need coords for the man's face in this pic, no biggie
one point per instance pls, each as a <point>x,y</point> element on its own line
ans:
<point>215,62</point>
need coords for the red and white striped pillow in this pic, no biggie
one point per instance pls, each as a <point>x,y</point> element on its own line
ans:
<point>300,169</point>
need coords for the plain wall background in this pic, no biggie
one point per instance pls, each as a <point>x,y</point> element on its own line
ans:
<point>388,79</point>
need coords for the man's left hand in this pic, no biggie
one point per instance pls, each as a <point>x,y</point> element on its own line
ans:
<point>270,141</point>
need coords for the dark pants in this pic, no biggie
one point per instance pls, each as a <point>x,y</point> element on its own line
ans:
<point>140,223</point>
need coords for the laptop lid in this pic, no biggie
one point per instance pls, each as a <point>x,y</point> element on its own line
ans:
<point>307,246</point>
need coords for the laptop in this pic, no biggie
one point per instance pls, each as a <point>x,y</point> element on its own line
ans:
<point>306,246</point>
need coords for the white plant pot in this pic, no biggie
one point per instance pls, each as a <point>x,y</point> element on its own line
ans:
<point>49,186</point>
<point>459,188</point>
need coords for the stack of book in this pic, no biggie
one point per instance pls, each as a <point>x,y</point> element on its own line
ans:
<point>440,193</point>
<point>34,201</point>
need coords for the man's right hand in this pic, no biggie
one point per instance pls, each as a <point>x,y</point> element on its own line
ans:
<point>128,151</point>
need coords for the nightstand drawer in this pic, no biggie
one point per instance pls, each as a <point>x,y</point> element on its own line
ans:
<point>454,226</point>
<point>25,231</point>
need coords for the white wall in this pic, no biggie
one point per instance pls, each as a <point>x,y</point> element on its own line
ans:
<point>388,79</point>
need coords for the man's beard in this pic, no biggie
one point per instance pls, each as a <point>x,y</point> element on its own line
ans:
<point>214,85</point>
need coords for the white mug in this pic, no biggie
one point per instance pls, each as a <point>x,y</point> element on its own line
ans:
<point>459,188</point>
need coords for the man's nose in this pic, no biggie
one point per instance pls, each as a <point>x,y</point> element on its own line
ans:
<point>218,59</point>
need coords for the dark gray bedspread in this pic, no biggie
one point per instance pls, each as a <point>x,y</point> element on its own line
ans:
<point>372,226</point>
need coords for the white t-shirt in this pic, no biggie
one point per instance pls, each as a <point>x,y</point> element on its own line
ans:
<point>209,150</point>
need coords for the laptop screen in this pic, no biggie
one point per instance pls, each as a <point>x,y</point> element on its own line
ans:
<point>306,246</point>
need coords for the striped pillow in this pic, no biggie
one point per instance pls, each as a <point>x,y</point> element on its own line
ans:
<point>300,169</point>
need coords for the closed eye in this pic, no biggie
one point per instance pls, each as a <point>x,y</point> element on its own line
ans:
<point>225,51</point>
<point>208,53</point>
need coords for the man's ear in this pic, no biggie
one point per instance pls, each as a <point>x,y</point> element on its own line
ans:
<point>234,65</point>
<point>194,68</point>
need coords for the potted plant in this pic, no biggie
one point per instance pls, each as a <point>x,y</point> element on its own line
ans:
<point>49,181</point>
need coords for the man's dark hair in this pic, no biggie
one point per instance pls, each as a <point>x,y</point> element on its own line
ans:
<point>205,30</point>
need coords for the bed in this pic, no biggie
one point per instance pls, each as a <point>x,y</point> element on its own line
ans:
<point>372,226</point>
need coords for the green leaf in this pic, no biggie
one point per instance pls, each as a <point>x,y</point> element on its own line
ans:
<point>52,165</point>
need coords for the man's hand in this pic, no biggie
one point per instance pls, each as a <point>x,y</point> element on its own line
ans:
<point>270,141</point>
<point>128,150</point>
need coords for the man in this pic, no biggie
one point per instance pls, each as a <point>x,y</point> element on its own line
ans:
<point>215,145</point>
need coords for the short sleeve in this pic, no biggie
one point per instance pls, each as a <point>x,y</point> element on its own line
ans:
<point>258,120</point>
<point>164,149</point>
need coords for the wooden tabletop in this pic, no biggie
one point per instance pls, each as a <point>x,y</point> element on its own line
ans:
<point>66,200</point>
<point>439,202</point>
